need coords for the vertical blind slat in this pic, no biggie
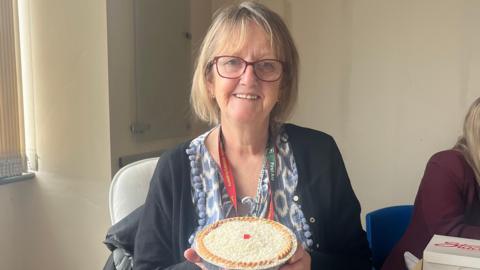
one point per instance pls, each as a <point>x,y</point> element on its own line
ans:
<point>12,156</point>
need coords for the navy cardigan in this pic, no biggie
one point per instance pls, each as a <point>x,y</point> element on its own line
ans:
<point>324,190</point>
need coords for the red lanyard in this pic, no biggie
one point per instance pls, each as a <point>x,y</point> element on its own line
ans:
<point>229,181</point>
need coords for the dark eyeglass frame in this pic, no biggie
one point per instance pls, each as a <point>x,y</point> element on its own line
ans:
<point>247,63</point>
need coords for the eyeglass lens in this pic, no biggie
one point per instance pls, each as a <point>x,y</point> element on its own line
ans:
<point>232,67</point>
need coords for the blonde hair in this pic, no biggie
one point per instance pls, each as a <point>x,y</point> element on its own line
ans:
<point>229,30</point>
<point>469,142</point>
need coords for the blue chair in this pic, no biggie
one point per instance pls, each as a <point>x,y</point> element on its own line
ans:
<point>385,227</point>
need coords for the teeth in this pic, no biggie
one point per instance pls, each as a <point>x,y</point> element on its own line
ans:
<point>245,96</point>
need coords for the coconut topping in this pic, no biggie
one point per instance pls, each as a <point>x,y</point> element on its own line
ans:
<point>246,241</point>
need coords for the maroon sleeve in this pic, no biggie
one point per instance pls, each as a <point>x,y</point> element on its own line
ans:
<point>443,197</point>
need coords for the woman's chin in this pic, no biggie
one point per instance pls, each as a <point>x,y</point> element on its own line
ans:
<point>247,119</point>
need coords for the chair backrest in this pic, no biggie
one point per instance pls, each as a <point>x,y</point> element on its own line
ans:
<point>129,188</point>
<point>385,227</point>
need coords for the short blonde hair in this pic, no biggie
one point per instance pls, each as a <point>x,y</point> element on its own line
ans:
<point>469,142</point>
<point>229,30</point>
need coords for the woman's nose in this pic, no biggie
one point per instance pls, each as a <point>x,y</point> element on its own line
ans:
<point>249,77</point>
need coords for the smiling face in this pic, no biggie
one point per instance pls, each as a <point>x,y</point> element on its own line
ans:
<point>246,100</point>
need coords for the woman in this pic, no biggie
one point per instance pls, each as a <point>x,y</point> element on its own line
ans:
<point>448,199</point>
<point>245,84</point>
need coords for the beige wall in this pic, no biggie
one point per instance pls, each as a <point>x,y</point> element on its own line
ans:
<point>58,220</point>
<point>121,78</point>
<point>390,80</point>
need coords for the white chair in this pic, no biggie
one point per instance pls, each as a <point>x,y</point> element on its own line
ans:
<point>129,188</point>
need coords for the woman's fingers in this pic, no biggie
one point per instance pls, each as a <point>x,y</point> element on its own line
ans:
<point>300,260</point>
<point>297,255</point>
<point>192,256</point>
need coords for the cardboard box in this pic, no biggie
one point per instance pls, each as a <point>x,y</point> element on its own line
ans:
<point>452,253</point>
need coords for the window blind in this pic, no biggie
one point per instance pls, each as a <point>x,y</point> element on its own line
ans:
<point>12,142</point>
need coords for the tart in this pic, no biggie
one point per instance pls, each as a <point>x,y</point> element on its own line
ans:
<point>245,243</point>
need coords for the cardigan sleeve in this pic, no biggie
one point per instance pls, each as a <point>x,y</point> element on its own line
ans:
<point>345,244</point>
<point>154,246</point>
<point>443,198</point>
<point>328,202</point>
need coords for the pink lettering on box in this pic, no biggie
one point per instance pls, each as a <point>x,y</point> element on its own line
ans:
<point>459,246</point>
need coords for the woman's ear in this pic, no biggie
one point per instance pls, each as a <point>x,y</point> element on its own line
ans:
<point>211,94</point>
<point>210,86</point>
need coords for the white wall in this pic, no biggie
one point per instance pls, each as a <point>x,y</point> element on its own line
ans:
<point>390,80</point>
<point>121,78</point>
<point>58,220</point>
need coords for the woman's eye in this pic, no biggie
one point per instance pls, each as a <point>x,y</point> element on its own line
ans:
<point>233,62</point>
<point>266,66</point>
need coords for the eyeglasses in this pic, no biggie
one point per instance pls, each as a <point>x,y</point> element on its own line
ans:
<point>232,67</point>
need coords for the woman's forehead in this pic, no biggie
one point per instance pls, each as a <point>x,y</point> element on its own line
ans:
<point>243,49</point>
<point>254,40</point>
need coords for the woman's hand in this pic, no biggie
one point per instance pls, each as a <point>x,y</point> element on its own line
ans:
<point>300,260</point>
<point>193,257</point>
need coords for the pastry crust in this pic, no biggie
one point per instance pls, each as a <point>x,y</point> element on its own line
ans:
<point>265,243</point>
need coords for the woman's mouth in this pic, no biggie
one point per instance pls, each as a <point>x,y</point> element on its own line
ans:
<point>247,96</point>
